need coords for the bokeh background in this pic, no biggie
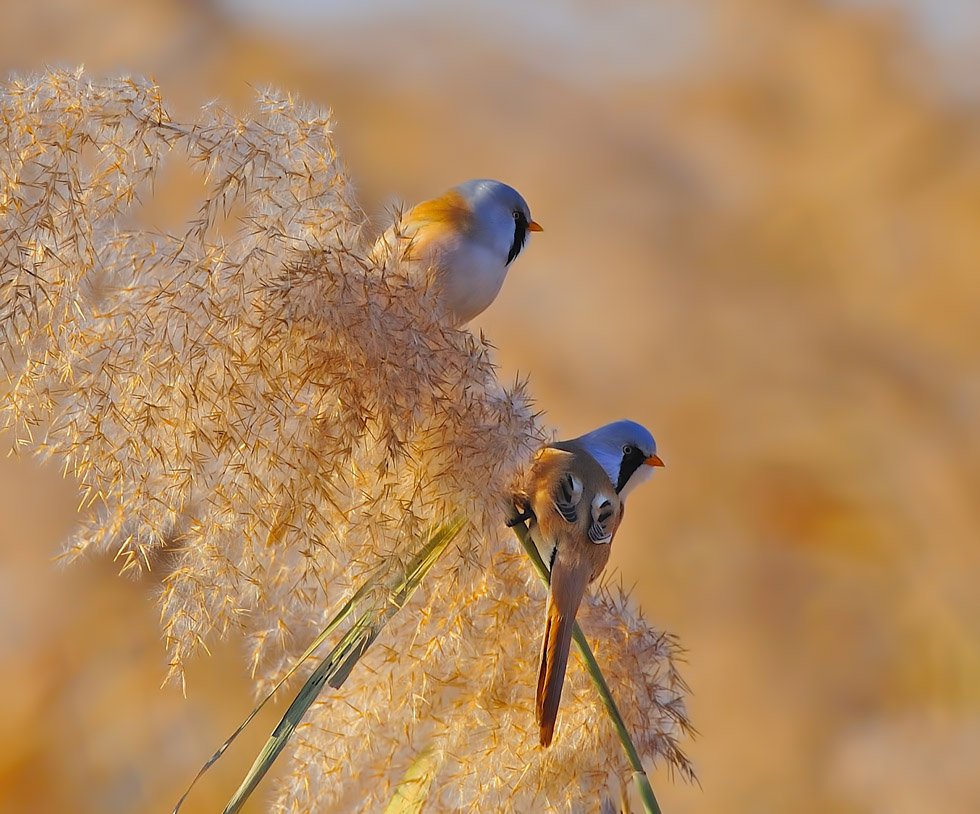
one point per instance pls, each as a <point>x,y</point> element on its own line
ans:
<point>762,240</point>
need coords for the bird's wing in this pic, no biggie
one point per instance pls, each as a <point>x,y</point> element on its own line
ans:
<point>576,508</point>
<point>552,487</point>
<point>605,517</point>
<point>567,495</point>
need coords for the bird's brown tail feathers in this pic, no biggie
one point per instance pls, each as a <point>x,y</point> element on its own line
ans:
<point>551,676</point>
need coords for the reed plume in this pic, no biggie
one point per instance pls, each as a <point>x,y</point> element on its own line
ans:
<point>266,419</point>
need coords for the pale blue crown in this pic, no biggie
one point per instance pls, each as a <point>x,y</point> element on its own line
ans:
<point>487,196</point>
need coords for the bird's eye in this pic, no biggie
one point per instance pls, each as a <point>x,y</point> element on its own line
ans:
<point>627,450</point>
<point>517,214</point>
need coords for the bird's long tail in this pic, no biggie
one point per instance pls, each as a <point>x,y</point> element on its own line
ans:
<point>551,676</point>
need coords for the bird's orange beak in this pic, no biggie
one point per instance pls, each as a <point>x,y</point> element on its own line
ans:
<point>654,460</point>
<point>534,227</point>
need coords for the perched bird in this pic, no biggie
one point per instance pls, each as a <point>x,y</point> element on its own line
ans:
<point>469,237</point>
<point>574,497</point>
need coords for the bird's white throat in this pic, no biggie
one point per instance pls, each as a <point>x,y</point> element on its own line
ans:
<point>642,474</point>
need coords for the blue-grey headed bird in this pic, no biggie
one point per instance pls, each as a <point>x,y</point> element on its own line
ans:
<point>574,496</point>
<point>469,237</point>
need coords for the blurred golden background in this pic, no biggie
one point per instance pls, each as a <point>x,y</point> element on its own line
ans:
<point>762,240</point>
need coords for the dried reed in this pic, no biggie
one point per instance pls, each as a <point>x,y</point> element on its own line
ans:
<point>269,421</point>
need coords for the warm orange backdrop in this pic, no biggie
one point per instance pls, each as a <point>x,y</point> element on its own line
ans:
<point>762,240</point>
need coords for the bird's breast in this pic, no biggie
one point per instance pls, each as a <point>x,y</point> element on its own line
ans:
<point>470,276</point>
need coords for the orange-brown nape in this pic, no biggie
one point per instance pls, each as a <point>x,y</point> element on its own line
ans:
<point>450,209</point>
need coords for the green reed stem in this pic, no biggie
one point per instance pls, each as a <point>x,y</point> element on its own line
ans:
<point>640,779</point>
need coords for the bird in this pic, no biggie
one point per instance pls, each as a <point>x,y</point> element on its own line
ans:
<point>468,236</point>
<point>574,496</point>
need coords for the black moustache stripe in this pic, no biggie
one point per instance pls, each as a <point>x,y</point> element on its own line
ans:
<point>629,465</point>
<point>520,236</point>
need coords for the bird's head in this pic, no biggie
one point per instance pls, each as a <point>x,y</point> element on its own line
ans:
<point>501,217</point>
<point>626,450</point>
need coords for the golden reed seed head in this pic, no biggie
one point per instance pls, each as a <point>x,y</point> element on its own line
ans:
<point>269,418</point>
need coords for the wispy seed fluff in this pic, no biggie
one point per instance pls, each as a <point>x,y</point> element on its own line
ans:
<point>269,420</point>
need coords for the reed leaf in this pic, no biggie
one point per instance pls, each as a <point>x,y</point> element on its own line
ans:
<point>336,666</point>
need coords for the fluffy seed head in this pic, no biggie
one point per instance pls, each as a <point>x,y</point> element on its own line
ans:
<point>267,419</point>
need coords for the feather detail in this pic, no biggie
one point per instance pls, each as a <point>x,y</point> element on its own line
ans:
<point>425,226</point>
<point>577,511</point>
<point>567,589</point>
<point>451,209</point>
<point>604,523</point>
<point>568,495</point>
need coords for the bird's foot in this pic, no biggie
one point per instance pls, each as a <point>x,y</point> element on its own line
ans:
<point>523,517</point>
